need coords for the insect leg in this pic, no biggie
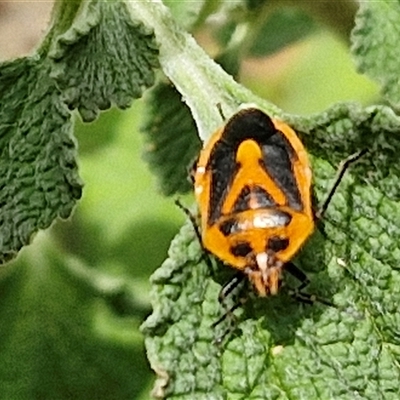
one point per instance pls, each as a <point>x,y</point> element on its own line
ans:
<point>230,286</point>
<point>340,173</point>
<point>205,255</point>
<point>229,315</point>
<point>231,318</point>
<point>191,171</point>
<point>192,219</point>
<point>298,293</point>
<point>225,291</point>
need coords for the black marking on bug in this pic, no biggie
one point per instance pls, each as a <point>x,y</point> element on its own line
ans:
<point>256,193</point>
<point>277,161</point>
<point>229,226</point>
<point>278,157</point>
<point>277,244</point>
<point>241,249</point>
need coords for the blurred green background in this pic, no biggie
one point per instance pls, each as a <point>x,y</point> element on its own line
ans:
<point>73,301</point>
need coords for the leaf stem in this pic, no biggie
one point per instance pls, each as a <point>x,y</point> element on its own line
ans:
<point>202,83</point>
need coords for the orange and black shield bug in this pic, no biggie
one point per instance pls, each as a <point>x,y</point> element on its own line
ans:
<point>253,186</point>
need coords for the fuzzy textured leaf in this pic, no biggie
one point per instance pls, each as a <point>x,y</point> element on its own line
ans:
<point>283,349</point>
<point>38,172</point>
<point>376,44</point>
<point>104,58</point>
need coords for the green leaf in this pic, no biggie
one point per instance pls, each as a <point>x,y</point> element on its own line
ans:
<point>103,56</point>
<point>106,57</point>
<point>283,349</point>
<point>38,170</point>
<point>172,139</point>
<point>59,338</point>
<point>376,44</point>
<point>283,27</point>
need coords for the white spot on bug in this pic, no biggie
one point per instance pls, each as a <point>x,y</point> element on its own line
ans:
<point>269,221</point>
<point>200,170</point>
<point>198,189</point>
